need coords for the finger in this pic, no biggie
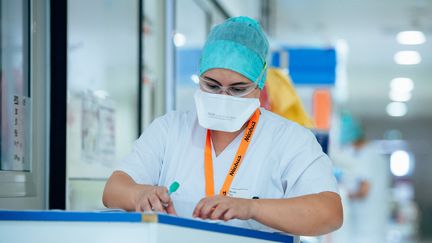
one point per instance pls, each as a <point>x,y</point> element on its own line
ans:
<point>229,214</point>
<point>208,208</point>
<point>144,205</point>
<point>170,209</point>
<point>137,207</point>
<point>198,207</point>
<point>156,204</point>
<point>219,211</point>
<point>162,193</point>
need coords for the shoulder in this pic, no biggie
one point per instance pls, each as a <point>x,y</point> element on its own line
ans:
<point>176,118</point>
<point>288,137</point>
<point>165,129</point>
<point>169,123</point>
<point>274,123</point>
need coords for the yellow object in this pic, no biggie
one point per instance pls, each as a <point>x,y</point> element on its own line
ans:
<point>284,100</point>
<point>149,217</point>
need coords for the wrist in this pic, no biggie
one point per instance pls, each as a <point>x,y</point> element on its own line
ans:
<point>254,206</point>
<point>136,193</point>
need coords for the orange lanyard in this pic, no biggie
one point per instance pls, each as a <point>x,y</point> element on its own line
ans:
<point>208,161</point>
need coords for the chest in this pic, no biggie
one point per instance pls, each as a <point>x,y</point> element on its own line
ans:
<point>257,176</point>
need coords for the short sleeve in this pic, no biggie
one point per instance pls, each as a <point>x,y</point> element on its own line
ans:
<point>307,169</point>
<point>143,164</point>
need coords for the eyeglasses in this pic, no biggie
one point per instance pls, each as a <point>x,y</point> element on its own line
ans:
<point>237,90</point>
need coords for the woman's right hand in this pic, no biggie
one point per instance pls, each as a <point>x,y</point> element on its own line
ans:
<point>153,199</point>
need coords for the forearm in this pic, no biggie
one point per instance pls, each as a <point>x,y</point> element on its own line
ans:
<point>314,214</point>
<point>120,191</point>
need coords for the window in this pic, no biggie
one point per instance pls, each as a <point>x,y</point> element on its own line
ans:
<point>15,86</point>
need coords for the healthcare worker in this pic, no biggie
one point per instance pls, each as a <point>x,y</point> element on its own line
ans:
<point>366,177</point>
<point>234,161</point>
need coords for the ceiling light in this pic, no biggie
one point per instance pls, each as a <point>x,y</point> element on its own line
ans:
<point>402,85</point>
<point>407,57</point>
<point>411,37</point>
<point>179,39</point>
<point>399,96</point>
<point>396,109</point>
<point>399,163</point>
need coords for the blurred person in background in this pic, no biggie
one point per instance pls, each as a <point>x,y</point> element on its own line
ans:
<point>365,179</point>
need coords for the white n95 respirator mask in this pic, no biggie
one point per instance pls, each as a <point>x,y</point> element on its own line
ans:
<point>223,112</point>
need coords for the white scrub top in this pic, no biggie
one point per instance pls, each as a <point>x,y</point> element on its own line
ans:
<point>283,160</point>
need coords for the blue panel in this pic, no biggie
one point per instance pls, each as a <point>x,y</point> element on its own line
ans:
<point>277,237</point>
<point>136,217</point>
<point>70,216</point>
<point>187,64</point>
<point>312,58</point>
<point>275,59</point>
<point>310,66</point>
<point>313,77</point>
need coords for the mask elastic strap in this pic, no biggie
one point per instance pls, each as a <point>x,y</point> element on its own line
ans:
<point>258,80</point>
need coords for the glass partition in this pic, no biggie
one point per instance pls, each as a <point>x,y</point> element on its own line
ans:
<point>189,38</point>
<point>102,94</point>
<point>23,109</point>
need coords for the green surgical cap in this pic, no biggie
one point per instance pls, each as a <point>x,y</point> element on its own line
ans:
<point>238,44</point>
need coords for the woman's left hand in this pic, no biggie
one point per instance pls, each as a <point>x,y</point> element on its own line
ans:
<point>223,208</point>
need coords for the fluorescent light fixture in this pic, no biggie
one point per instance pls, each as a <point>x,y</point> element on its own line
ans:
<point>400,163</point>
<point>195,78</point>
<point>407,57</point>
<point>399,96</point>
<point>342,46</point>
<point>412,37</point>
<point>179,39</point>
<point>402,85</point>
<point>396,109</point>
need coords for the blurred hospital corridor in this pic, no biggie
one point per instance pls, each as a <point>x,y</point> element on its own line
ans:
<point>332,97</point>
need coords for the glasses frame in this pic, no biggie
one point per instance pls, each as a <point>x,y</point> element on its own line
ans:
<point>226,89</point>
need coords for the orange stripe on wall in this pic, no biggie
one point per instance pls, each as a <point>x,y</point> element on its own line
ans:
<point>322,106</point>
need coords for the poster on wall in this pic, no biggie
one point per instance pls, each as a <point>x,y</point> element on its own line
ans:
<point>97,129</point>
<point>16,135</point>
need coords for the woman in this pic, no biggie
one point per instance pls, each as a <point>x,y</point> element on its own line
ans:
<point>234,161</point>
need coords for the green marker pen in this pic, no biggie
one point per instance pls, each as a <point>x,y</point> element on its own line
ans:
<point>173,188</point>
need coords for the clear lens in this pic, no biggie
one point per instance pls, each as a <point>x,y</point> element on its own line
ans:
<point>210,87</point>
<point>237,90</point>
<point>240,91</point>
